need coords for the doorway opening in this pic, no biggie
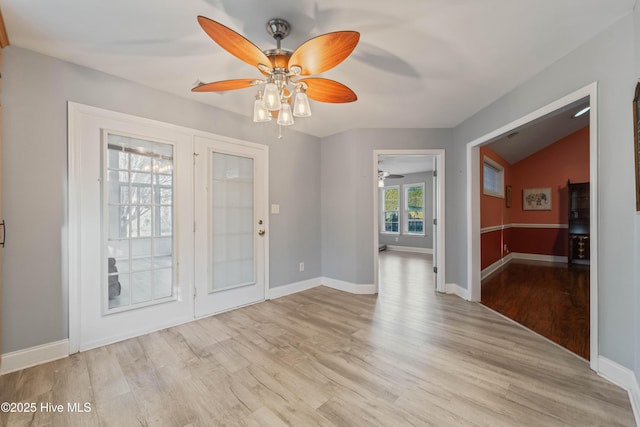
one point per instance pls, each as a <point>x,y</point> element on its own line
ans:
<point>538,234</point>
<point>409,216</point>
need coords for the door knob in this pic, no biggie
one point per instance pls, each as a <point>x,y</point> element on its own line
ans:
<point>261,232</point>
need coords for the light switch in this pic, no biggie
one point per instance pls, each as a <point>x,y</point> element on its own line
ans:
<point>275,209</point>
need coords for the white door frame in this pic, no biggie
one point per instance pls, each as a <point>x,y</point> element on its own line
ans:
<point>473,200</point>
<point>439,241</point>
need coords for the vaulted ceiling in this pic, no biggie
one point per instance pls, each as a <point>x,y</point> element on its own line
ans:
<point>419,63</point>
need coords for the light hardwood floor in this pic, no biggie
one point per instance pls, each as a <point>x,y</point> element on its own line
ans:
<point>325,357</point>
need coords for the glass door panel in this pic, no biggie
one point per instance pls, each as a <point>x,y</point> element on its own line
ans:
<point>232,222</point>
<point>138,195</point>
<point>231,185</point>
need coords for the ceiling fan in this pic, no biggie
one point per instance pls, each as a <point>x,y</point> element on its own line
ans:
<point>382,175</point>
<point>385,174</point>
<point>282,69</point>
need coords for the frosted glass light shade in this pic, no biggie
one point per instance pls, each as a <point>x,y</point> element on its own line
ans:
<point>260,113</point>
<point>301,106</point>
<point>285,118</point>
<point>271,97</point>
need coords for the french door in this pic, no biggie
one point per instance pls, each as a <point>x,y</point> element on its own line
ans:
<point>230,225</point>
<point>140,257</point>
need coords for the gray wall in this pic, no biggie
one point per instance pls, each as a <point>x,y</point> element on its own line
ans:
<point>347,197</point>
<point>410,241</point>
<point>608,59</point>
<point>35,92</point>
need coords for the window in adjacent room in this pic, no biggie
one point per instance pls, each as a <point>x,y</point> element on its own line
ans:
<point>493,178</point>
<point>390,209</point>
<point>414,209</point>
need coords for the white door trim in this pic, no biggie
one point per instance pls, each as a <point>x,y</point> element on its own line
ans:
<point>439,243</point>
<point>473,199</point>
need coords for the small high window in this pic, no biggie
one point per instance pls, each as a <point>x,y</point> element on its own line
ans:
<point>493,178</point>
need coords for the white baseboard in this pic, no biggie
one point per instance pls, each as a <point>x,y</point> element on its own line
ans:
<point>348,286</point>
<point>538,257</point>
<point>455,289</point>
<point>623,377</point>
<point>518,255</point>
<point>410,249</point>
<point>495,266</point>
<point>21,359</point>
<point>293,288</point>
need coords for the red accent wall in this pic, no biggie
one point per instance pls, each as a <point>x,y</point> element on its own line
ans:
<point>564,160</point>
<point>541,241</point>
<point>567,159</point>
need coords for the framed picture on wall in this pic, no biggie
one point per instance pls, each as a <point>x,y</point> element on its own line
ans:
<point>507,196</point>
<point>636,146</point>
<point>536,199</point>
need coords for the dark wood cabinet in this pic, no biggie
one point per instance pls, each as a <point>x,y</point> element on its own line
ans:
<point>579,221</point>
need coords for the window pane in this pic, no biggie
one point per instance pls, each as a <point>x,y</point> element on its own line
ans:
<point>391,202</point>
<point>492,178</point>
<point>415,198</point>
<point>166,196</point>
<point>414,208</point>
<point>140,162</point>
<point>139,221</point>
<point>141,178</point>
<point>232,221</point>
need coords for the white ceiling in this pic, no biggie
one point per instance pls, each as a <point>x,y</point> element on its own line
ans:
<point>419,63</point>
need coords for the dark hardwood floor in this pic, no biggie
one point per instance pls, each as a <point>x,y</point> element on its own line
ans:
<point>551,299</point>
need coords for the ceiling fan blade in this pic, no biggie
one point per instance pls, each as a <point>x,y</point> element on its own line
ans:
<point>325,90</point>
<point>324,52</point>
<point>233,42</point>
<point>226,85</point>
<point>393,176</point>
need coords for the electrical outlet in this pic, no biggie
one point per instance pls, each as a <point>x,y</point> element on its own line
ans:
<point>506,249</point>
<point>396,239</point>
<point>302,266</point>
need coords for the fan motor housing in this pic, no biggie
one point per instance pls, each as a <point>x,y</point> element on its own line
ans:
<point>278,28</point>
<point>279,57</point>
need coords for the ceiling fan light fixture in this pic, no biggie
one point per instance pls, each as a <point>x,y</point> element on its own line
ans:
<point>285,73</point>
<point>301,107</point>
<point>260,113</point>
<point>285,118</point>
<point>271,97</point>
